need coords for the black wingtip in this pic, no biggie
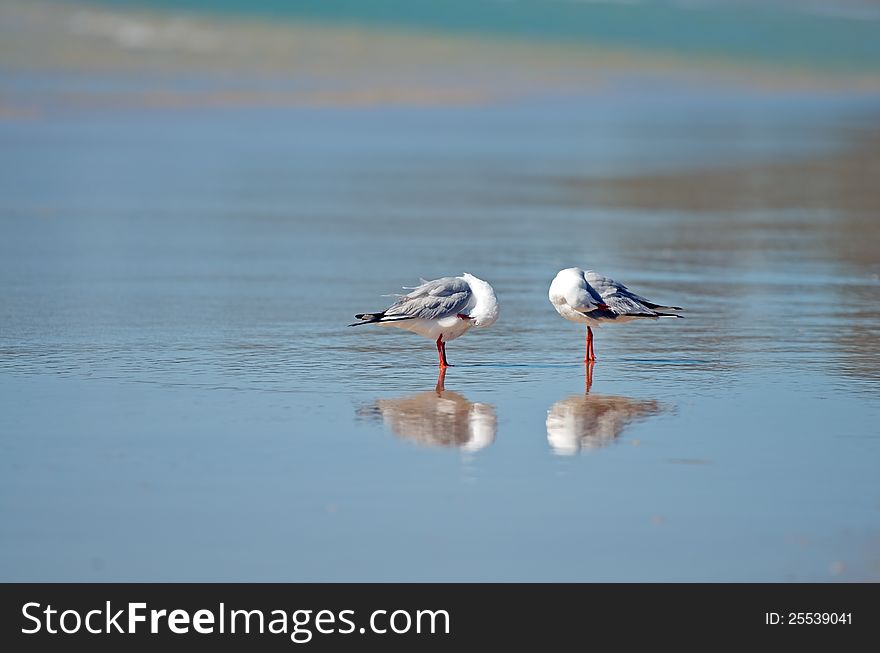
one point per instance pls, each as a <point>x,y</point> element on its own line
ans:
<point>367,318</point>
<point>661,307</point>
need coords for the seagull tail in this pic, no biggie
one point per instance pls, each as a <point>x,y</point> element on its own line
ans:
<point>368,318</point>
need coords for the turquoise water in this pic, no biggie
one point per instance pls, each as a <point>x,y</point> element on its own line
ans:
<point>825,35</point>
<point>180,398</point>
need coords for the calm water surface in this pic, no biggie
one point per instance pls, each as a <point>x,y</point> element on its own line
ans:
<point>180,398</point>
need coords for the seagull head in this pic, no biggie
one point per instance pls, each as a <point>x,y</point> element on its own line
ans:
<point>485,310</point>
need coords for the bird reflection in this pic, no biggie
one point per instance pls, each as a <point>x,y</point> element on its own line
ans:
<point>440,417</point>
<point>591,421</point>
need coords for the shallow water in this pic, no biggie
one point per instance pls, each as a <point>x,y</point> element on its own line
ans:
<point>180,398</point>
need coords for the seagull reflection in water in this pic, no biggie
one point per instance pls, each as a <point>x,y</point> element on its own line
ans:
<point>440,418</point>
<point>591,421</point>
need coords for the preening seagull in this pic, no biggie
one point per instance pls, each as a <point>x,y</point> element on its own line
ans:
<point>442,310</point>
<point>591,299</point>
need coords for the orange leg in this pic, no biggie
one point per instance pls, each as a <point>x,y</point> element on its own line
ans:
<point>441,351</point>
<point>591,356</point>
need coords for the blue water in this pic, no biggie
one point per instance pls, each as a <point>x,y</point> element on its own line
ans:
<point>826,35</point>
<point>180,398</point>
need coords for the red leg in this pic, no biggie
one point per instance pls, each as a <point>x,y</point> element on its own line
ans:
<point>587,354</point>
<point>588,368</point>
<point>441,351</point>
<point>590,356</point>
<point>592,353</point>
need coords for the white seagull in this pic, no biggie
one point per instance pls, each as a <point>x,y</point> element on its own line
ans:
<point>591,299</point>
<point>442,310</point>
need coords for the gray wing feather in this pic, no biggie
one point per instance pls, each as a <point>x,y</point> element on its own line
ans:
<point>432,300</point>
<point>607,286</point>
<point>623,305</point>
<point>620,299</point>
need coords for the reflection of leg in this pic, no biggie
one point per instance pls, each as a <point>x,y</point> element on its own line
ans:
<point>441,351</point>
<point>441,377</point>
<point>588,368</point>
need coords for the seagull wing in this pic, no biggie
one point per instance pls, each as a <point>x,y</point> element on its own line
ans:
<point>432,300</point>
<point>620,299</point>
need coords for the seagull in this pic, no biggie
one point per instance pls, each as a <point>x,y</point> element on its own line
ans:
<point>442,310</point>
<point>591,299</point>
